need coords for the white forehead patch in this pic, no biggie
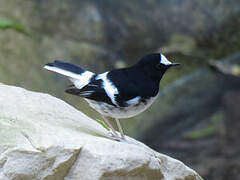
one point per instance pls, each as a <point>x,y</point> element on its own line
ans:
<point>164,60</point>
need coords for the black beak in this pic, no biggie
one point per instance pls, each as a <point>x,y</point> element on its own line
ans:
<point>174,64</point>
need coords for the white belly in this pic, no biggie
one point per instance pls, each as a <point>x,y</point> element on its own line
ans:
<point>121,112</point>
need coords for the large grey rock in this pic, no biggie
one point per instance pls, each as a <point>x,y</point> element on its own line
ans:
<point>41,137</point>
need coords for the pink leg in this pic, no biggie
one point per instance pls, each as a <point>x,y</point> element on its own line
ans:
<point>111,127</point>
<point>120,128</point>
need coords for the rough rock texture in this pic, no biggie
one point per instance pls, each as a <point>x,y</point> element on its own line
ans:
<point>42,137</point>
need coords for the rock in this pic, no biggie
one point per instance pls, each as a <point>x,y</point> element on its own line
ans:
<point>44,138</point>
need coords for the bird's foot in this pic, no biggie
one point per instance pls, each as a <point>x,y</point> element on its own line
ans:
<point>117,137</point>
<point>123,139</point>
<point>113,136</point>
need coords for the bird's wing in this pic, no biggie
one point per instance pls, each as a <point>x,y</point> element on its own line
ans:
<point>129,94</point>
<point>132,86</point>
<point>117,88</point>
<point>93,90</point>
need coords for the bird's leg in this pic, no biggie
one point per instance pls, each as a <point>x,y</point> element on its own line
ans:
<point>120,129</point>
<point>111,127</point>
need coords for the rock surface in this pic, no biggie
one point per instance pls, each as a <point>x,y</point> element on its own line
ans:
<point>41,137</point>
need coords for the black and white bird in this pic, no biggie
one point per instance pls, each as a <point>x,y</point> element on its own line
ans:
<point>119,93</point>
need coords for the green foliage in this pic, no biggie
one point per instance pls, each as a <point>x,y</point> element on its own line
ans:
<point>203,132</point>
<point>103,123</point>
<point>208,130</point>
<point>4,24</point>
<point>8,24</point>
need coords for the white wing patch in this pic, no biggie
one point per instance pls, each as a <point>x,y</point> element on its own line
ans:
<point>164,60</point>
<point>133,101</point>
<point>86,93</point>
<point>109,87</point>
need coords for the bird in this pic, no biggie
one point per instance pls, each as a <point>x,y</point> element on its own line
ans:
<point>118,93</point>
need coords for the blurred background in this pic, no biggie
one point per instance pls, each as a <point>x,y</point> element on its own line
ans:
<point>196,117</point>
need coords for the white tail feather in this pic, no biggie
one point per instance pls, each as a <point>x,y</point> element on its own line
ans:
<point>79,80</point>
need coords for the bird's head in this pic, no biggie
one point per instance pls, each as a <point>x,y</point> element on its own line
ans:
<point>155,64</point>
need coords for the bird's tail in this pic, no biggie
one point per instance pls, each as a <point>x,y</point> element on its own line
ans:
<point>79,76</point>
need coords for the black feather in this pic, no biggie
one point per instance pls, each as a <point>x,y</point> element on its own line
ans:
<point>129,88</point>
<point>93,91</point>
<point>67,66</point>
